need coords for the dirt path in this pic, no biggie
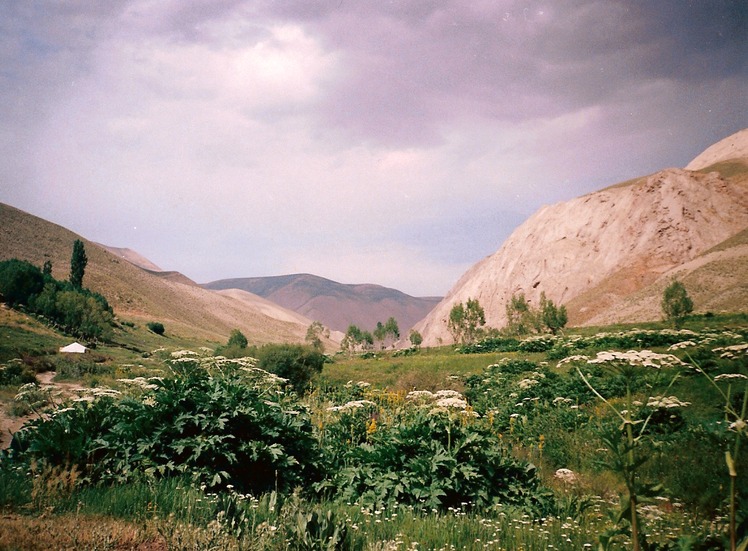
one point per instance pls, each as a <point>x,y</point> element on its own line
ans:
<point>10,424</point>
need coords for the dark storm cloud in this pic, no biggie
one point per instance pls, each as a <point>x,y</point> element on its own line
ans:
<point>414,65</point>
<point>390,141</point>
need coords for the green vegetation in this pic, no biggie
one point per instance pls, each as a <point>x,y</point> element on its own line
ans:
<point>386,330</point>
<point>314,334</point>
<point>78,263</point>
<point>156,327</point>
<point>676,304</point>
<point>75,310</point>
<point>237,339</point>
<point>295,363</point>
<point>624,438</point>
<point>415,338</point>
<point>554,317</point>
<point>465,321</point>
<point>356,339</point>
<point>523,319</point>
<point>20,281</point>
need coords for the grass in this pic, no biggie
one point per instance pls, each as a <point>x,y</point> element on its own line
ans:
<point>174,514</point>
<point>22,335</point>
<point>430,369</point>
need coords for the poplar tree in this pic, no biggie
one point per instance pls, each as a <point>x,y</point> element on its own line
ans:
<point>78,264</point>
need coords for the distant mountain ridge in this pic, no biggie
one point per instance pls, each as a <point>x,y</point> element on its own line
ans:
<point>609,255</point>
<point>335,305</point>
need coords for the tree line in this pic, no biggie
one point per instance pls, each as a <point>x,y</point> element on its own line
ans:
<point>65,304</point>
<point>467,321</point>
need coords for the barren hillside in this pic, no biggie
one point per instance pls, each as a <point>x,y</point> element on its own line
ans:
<point>608,255</point>
<point>139,295</point>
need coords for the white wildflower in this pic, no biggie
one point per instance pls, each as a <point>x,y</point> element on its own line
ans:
<point>452,402</point>
<point>666,402</point>
<point>355,404</point>
<point>644,358</point>
<point>448,394</point>
<point>681,345</point>
<point>743,347</point>
<point>420,396</point>
<point>738,426</point>
<point>575,358</point>
<point>183,354</point>
<point>730,377</point>
<point>138,381</point>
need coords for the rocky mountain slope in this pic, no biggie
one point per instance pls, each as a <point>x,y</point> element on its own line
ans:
<point>608,255</point>
<point>143,295</point>
<point>336,305</point>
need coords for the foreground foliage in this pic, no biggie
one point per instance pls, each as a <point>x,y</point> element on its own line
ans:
<point>558,444</point>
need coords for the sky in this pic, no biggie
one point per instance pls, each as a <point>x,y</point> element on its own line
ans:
<point>367,141</point>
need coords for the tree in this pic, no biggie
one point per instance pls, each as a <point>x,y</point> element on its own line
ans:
<point>466,320</point>
<point>676,304</point>
<point>237,339</point>
<point>385,330</point>
<point>554,317</point>
<point>415,338</point>
<point>391,329</point>
<point>475,318</point>
<point>83,315</point>
<point>47,269</point>
<point>521,317</point>
<point>351,339</point>
<point>78,264</point>
<point>456,322</point>
<point>380,333</point>
<point>19,281</point>
<point>354,338</point>
<point>294,362</point>
<point>314,334</point>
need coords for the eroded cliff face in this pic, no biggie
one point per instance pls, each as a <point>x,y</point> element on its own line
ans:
<point>594,251</point>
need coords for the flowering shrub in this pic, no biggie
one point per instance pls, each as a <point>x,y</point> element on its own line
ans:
<point>228,425</point>
<point>435,455</point>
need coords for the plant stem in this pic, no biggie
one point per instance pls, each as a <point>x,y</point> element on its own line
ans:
<point>632,462</point>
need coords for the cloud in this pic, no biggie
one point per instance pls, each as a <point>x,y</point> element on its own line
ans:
<point>395,143</point>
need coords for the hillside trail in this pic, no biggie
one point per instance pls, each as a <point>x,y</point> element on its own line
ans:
<point>10,424</point>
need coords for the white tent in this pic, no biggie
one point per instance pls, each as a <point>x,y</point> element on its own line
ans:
<point>74,348</point>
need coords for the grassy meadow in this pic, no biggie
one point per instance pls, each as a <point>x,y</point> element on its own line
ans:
<point>602,438</point>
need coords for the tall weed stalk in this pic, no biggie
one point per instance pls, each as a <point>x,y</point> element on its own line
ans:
<point>738,425</point>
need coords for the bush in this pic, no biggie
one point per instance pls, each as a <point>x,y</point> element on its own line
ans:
<point>75,367</point>
<point>294,362</point>
<point>218,428</point>
<point>15,373</point>
<point>156,327</point>
<point>237,339</point>
<point>433,460</point>
<point>19,281</point>
<point>494,344</point>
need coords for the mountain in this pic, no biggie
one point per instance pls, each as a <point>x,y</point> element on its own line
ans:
<point>609,255</point>
<point>142,295</point>
<point>134,257</point>
<point>336,305</point>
